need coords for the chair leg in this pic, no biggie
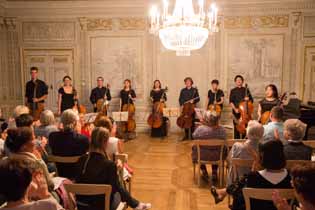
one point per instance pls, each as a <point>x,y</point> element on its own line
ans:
<point>194,168</point>
<point>198,178</point>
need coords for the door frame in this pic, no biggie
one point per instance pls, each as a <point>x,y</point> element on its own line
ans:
<point>303,85</point>
<point>22,59</point>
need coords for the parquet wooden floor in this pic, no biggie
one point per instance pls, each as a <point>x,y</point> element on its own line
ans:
<point>164,175</point>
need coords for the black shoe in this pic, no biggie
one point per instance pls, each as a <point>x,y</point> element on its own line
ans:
<point>214,178</point>
<point>215,195</point>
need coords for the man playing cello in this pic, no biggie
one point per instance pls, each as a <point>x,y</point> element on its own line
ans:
<point>101,93</point>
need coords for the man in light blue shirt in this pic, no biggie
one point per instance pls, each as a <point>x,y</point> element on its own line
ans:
<point>274,129</point>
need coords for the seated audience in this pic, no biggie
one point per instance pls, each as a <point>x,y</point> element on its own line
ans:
<point>24,120</point>
<point>210,129</point>
<point>95,168</point>
<point>22,144</point>
<point>276,122</point>
<point>114,145</point>
<point>3,136</point>
<point>47,124</point>
<point>244,150</point>
<point>274,175</point>
<point>18,110</point>
<point>21,182</point>
<point>68,142</point>
<point>294,131</point>
<point>303,183</point>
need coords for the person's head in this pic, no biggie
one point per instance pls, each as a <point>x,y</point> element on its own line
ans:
<point>99,139</point>
<point>67,81</point>
<point>24,120</point>
<point>271,155</point>
<point>188,82</point>
<point>157,84</point>
<point>211,118</point>
<point>20,140</point>
<point>47,118</point>
<point>3,130</point>
<point>215,84</point>
<point>303,182</point>
<point>254,131</point>
<point>294,129</point>
<point>271,91</point>
<point>20,109</point>
<point>276,114</point>
<point>34,72</point>
<point>100,81</point>
<point>104,122</point>
<point>127,83</point>
<point>69,120</point>
<point>239,80</point>
<point>15,178</point>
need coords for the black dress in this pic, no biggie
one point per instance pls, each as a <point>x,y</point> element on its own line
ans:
<point>156,95</point>
<point>212,96</point>
<point>124,96</point>
<point>67,99</point>
<point>268,105</point>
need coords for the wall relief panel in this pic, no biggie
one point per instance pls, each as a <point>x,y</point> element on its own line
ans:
<point>117,58</point>
<point>48,31</point>
<point>271,21</point>
<point>132,24</point>
<point>309,26</point>
<point>259,58</point>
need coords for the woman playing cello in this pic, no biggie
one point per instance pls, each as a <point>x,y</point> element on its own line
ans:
<point>127,98</point>
<point>156,120</point>
<point>215,98</point>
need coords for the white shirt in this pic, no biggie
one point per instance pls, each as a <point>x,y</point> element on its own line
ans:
<point>112,146</point>
<point>274,177</point>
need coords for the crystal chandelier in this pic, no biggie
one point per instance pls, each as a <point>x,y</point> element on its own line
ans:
<point>184,31</point>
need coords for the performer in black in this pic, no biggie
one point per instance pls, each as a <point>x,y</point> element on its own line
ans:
<point>127,95</point>
<point>67,95</point>
<point>158,94</point>
<point>271,99</point>
<point>237,95</point>
<point>189,94</point>
<point>100,92</point>
<point>215,94</point>
<point>35,94</point>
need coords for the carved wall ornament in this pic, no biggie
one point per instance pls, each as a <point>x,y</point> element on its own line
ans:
<point>2,24</point>
<point>48,31</point>
<point>271,21</point>
<point>99,24</point>
<point>296,19</point>
<point>10,23</point>
<point>132,24</point>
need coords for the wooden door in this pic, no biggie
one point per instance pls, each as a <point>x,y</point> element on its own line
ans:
<point>53,65</point>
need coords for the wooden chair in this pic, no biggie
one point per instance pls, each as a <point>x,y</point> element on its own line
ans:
<point>92,189</point>
<point>237,162</point>
<point>63,159</point>
<point>265,194</point>
<point>231,142</point>
<point>220,162</point>
<point>310,143</point>
<point>124,159</point>
<point>291,163</point>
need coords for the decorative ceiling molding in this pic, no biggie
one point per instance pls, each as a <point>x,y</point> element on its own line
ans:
<point>93,24</point>
<point>132,24</point>
<point>270,21</point>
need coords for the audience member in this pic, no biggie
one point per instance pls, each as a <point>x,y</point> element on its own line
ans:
<point>303,183</point>
<point>19,184</point>
<point>95,168</point>
<point>276,122</point>
<point>294,131</point>
<point>18,110</point>
<point>274,175</point>
<point>210,129</point>
<point>114,145</point>
<point>22,144</point>
<point>3,136</point>
<point>244,150</point>
<point>47,124</point>
<point>68,142</point>
<point>24,120</point>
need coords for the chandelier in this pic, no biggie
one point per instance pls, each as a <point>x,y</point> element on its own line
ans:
<point>184,30</point>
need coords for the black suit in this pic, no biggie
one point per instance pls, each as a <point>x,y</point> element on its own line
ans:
<point>68,143</point>
<point>95,168</point>
<point>297,151</point>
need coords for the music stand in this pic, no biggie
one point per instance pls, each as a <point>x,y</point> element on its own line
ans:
<point>121,117</point>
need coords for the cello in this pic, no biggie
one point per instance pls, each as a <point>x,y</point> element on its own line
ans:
<point>215,107</point>
<point>102,103</point>
<point>246,108</point>
<point>130,125</point>
<point>155,119</point>
<point>185,120</point>
<point>265,117</point>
